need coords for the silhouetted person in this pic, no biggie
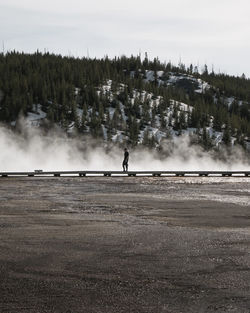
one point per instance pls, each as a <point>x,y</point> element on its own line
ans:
<point>125,161</point>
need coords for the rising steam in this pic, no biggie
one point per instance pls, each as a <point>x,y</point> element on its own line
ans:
<point>30,149</point>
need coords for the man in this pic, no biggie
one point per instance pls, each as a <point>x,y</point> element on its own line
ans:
<point>125,161</point>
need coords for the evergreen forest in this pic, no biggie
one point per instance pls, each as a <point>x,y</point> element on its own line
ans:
<point>130,100</point>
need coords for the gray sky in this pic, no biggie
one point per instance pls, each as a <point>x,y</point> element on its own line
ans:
<point>215,32</point>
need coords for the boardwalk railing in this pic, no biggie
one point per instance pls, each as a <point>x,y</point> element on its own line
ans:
<point>129,173</point>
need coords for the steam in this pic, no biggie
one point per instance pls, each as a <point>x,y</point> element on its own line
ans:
<point>30,149</point>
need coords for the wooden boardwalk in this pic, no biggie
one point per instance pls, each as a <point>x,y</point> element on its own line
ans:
<point>129,173</point>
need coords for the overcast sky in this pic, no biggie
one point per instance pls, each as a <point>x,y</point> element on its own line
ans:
<point>215,32</point>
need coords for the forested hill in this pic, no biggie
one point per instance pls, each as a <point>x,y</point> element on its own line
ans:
<point>125,100</point>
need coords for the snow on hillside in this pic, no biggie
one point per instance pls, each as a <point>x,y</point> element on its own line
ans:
<point>149,130</point>
<point>173,79</point>
<point>203,86</point>
<point>182,106</point>
<point>35,117</point>
<point>152,129</point>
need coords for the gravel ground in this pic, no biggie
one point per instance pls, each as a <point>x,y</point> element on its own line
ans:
<point>125,244</point>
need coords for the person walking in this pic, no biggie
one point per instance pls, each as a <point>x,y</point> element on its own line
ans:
<point>125,160</point>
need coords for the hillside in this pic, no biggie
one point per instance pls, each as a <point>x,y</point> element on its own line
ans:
<point>125,100</point>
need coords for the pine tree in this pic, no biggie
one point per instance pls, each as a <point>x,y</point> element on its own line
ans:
<point>182,120</point>
<point>206,140</point>
<point>146,139</point>
<point>134,132</point>
<point>227,135</point>
<point>163,121</point>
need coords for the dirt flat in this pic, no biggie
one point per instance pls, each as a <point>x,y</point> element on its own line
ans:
<point>124,244</point>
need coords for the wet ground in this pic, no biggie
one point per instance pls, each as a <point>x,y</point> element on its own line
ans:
<point>132,244</point>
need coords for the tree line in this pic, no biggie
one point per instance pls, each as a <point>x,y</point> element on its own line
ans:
<point>71,90</point>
